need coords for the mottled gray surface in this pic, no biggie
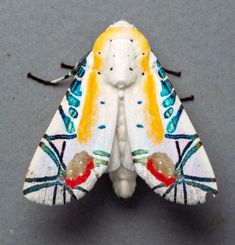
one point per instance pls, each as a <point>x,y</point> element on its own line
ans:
<point>194,36</point>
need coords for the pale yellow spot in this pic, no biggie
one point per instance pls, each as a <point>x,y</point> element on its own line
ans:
<point>77,165</point>
<point>163,164</point>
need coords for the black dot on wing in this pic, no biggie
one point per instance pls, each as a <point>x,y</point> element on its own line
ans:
<point>142,73</point>
<point>111,68</point>
<point>131,40</point>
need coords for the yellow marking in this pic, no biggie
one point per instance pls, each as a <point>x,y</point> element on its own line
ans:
<point>116,32</point>
<point>89,109</point>
<point>153,119</point>
<point>154,122</point>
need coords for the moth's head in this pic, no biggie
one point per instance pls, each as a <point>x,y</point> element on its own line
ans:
<point>120,63</point>
<point>121,54</point>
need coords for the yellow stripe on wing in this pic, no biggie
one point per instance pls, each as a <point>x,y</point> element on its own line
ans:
<point>87,119</point>
<point>152,113</point>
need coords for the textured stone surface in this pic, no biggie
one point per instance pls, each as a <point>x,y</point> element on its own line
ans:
<point>194,36</point>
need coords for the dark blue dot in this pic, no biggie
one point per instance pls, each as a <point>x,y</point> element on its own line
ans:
<point>102,102</point>
<point>139,126</point>
<point>139,102</point>
<point>101,127</point>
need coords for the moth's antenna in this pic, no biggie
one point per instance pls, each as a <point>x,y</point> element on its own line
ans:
<point>74,70</point>
<point>48,82</point>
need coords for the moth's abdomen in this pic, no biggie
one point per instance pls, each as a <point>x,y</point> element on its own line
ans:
<point>121,130</point>
<point>124,180</point>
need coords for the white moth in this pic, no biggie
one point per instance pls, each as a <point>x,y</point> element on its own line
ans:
<point>120,115</point>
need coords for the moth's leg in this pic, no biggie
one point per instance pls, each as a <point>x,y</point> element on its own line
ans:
<point>66,66</point>
<point>63,65</point>
<point>178,74</point>
<point>188,98</point>
<point>175,73</point>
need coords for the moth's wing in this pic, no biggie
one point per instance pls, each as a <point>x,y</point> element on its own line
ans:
<point>157,122</point>
<point>85,121</point>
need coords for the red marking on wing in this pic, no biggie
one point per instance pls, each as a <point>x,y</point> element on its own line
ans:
<point>72,183</point>
<point>167,180</point>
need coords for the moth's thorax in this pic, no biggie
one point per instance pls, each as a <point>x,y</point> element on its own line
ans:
<point>120,63</point>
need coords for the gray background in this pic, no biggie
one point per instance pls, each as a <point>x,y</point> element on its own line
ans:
<point>194,36</point>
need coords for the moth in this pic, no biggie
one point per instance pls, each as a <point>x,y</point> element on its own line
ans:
<point>122,116</point>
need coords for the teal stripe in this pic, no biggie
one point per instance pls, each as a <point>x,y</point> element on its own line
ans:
<point>166,87</point>
<point>201,186</point>
<point>169,101</point>
<point>168,191</point>
<point>158,186</point>
<point>101,153</point>
<point>171,126</point>
<point>139,152</point>
<point>168,112</point>
<point>41,179</point>
<point>69,125</point>
<point>189,154</point>
<point>181,136</point>
<point>100,162</point>
<point>70,191</point>
<point>72,101</point>
<point>200,179</point>
<point>80,188</point>
<point>38,187</point>
<point>140,160</point>
<point>50,153</point>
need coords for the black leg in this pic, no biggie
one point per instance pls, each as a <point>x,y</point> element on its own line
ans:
<point>189,98</point>
<point>175,73</point>
<point>63,65</point>
<point>77,66</point>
